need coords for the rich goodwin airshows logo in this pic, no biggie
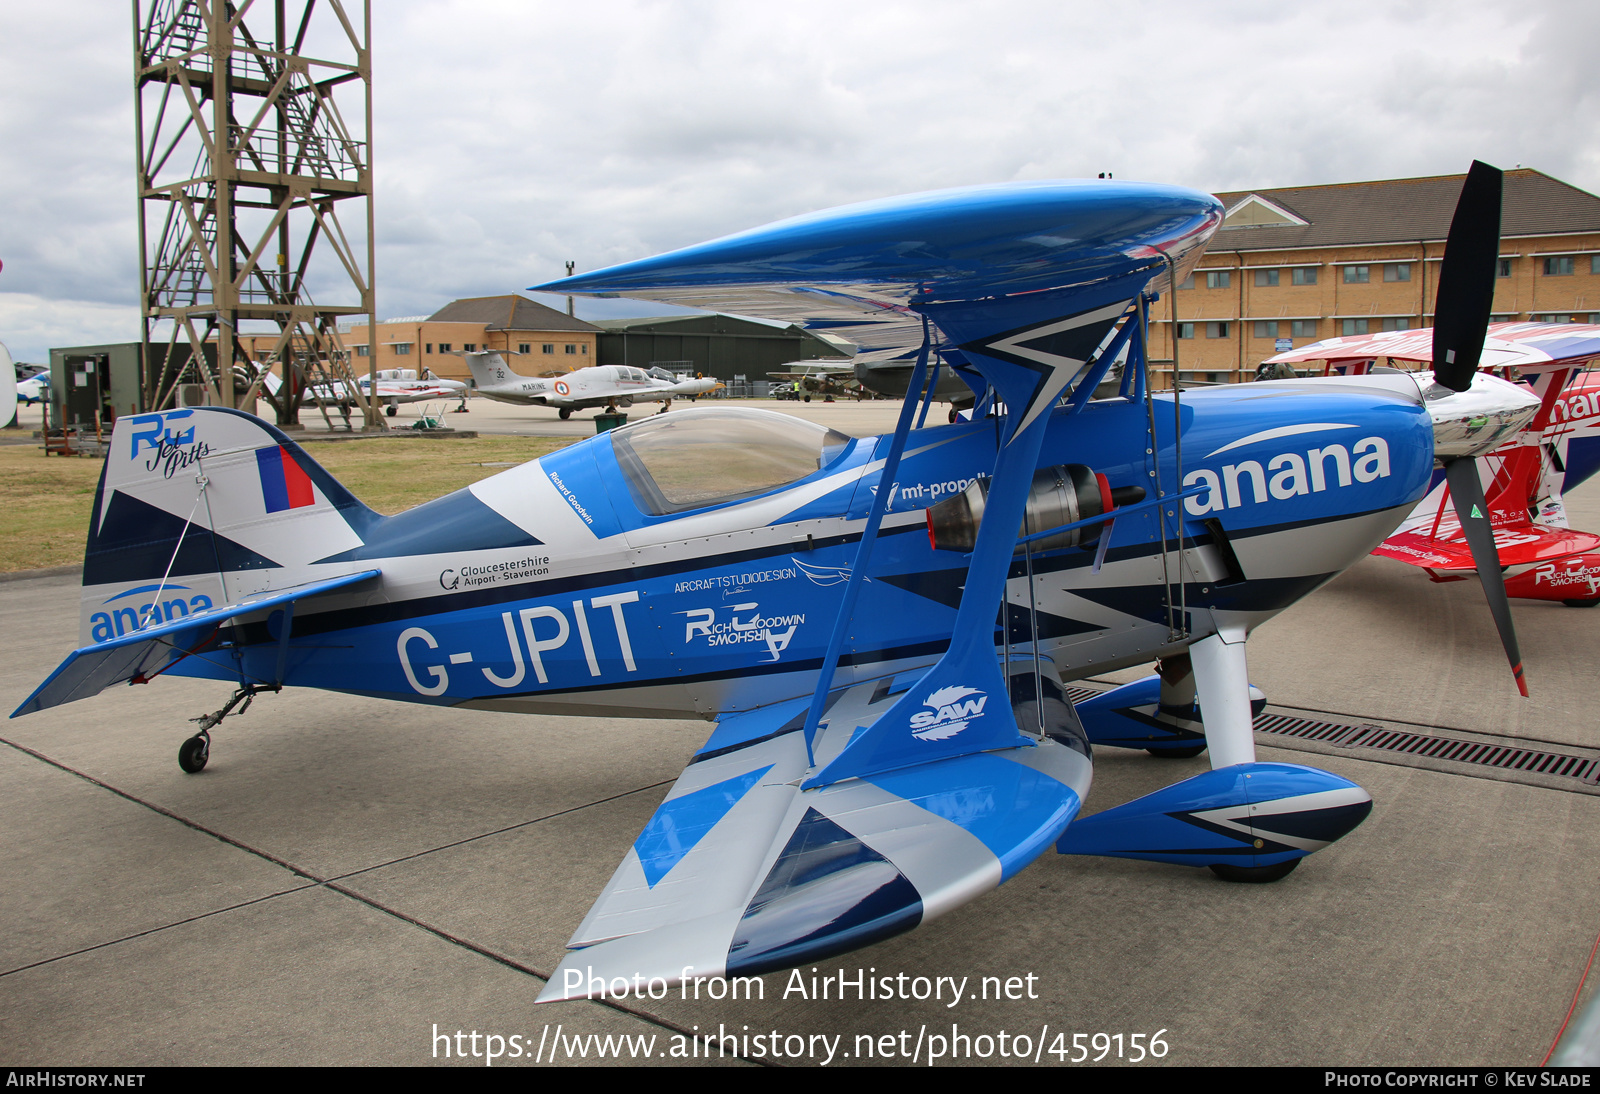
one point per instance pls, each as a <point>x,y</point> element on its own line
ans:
<point>952,712</point>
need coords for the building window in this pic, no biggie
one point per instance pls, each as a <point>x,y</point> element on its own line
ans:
<point>444,347</point>
<point>1217,279</point>
<point>1266,277</point>
<point>547,347</point>
<point>1267,328</point>
<point>1594,264</point>
<point>1185,330</point>
<point>571,348</point>
<point>1397,324</point>
<point>1303,328</point>
<point>1357,275</point>
<point>1217,330</point>
<point>1397,271</point>
<point>402,349</point>
<point>1559,266</point>
<point>469,347</point>
<point>1352,326</point>
<point>1187,283</point>
<point>1305,275</point>
<point>524,347</point>
<point>427,347</point>
<point>361,351</point>
<point>1503,268</point>
<point>585,350</point>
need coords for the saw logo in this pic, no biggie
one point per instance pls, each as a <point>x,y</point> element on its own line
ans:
<point>950,712</point>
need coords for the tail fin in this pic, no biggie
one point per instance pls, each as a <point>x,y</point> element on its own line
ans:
<point>489,369</point>
<point>199,507</point>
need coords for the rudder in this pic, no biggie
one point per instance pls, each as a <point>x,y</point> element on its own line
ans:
<point>200,506</point>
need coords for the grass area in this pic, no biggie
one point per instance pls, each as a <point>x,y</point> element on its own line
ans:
<point>47,501</point>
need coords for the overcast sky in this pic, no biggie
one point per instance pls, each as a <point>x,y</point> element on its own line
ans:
<point>511,135</point>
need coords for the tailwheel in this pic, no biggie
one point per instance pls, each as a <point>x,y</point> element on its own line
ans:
<point>1255,875</point>
<point>193,753</point>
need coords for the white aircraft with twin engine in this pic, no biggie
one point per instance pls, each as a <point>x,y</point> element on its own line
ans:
<point>879,628</point>
<point>608,386</point>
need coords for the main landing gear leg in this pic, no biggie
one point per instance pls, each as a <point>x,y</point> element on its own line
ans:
<point>193,753</point>
<point>1222,680</point>
<point>1223,687</point>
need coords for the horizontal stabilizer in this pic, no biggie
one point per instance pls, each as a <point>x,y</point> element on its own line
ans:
<point>145,652</point>
<point>741,872</point>
<point>1249,815</point>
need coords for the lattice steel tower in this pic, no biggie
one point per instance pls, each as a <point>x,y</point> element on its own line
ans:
<point>245,161</point>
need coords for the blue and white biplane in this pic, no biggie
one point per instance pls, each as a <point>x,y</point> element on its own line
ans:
<point>879,628</point>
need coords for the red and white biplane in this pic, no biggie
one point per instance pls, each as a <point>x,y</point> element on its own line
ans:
<point>1525,478</point>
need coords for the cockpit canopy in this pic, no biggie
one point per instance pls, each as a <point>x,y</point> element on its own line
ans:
<point>690,459</point>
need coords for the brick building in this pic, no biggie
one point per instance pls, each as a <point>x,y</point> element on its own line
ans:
<point>1294,265</point>
<point>548,341</point>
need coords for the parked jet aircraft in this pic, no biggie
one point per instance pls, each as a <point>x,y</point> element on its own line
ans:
<point>878,626</point>
<point>1543,558</point>
<point>609,386</point>
<point>395,386</point>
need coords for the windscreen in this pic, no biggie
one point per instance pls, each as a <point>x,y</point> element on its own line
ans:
<point>689,459</point>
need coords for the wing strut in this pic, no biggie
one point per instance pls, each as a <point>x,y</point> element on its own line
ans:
<point>858,569</point>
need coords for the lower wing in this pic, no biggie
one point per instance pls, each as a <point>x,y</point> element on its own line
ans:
<point>741,872</point>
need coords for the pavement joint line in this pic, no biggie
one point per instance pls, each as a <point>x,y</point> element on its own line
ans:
<point>500,831</point>
<point>508,961</point>
<point>158,929</point>
<point>332,884</point>
<point>165,812</point>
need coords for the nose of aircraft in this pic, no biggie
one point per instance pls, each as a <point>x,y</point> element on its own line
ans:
<point>1479,419</point>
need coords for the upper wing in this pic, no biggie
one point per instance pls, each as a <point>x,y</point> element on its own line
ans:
<point>740,871</point>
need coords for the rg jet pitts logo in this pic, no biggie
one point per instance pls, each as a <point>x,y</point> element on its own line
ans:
<point>174,447</point>
<point>951,712</point>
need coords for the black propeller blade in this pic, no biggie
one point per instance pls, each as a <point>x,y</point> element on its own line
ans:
<point>1466,279</point>
<point>1467,493</point>
<point>1460,324</point>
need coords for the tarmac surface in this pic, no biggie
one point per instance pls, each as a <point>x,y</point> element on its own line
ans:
<point>352,881</point>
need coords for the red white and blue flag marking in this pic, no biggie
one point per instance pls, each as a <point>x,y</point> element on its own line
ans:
<point>283,484</point>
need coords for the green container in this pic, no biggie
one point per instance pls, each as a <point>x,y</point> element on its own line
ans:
<point>603,422</point>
